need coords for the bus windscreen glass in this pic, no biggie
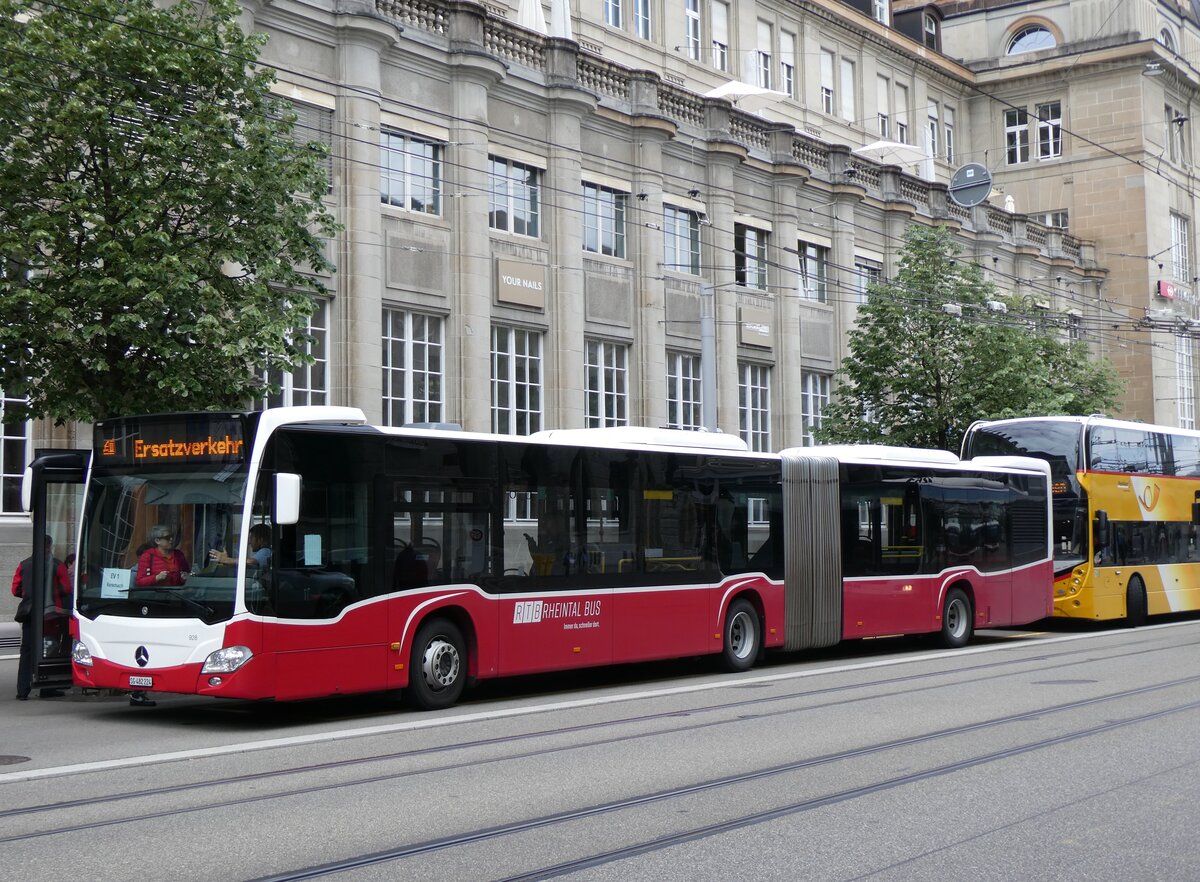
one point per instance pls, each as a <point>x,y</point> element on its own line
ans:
<point>1057,444</point>
<point>164,492</point>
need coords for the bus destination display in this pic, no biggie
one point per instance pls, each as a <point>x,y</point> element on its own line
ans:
<point>165,440</point>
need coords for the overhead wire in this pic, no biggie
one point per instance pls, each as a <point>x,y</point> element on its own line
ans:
<point>1058,293</point>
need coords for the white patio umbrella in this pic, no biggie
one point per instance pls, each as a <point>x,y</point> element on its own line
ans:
<point>891,153</point>
<point>560,19</point>
<point>530,15</point>
<point>746,96</point>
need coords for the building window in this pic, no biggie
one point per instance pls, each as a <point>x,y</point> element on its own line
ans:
<point>814,268</point>
<point>1074,327</point>
<point>883,113</point>
<point>720,34</point>
<point>827,81</point>
<point>1185,387</point>
<point>1058,218</point>
<point>754,405</point>
<point>750,257</point>
<point>930,29</point>
<point>787,63</point>
<point>607,391</point>
<point>14,453</point>
<point>949,131</point>
<point>604,220</point>
<point>902,113</point>
<point>681,240</point>
<point>692,27</point>
<point>762,55</point>
<point>412,368</point>
<point>612,13</point>
<point>1049,129</point>
<point>684,410</point>
<point>880,11</point>
<point>314,125</point>
<point>866,272</point>
<point>411,172</point>
<point>1016,136</point>
<point>1167,39</point>
<point>1181,264</point>
<point>1031,38</point>
<point>847,85</point>
<point>308,383</point>
<point>641,19</point>
<point>931,130</point>
<point>515,197</point>
<point>516,381</point>
<point>1173,138</point>
<point>814,399</point>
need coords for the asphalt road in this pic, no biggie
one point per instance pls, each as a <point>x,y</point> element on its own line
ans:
<point>1068,754</point>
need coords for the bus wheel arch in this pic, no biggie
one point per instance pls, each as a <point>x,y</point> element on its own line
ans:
<point>958,616</point>
<point>742,634</point>
<point>1135,602</point>
<point>439,662</point>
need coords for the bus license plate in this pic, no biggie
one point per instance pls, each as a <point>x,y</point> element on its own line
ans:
<point>141,681</point>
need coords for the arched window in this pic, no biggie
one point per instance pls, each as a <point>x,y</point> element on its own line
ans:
<point>1030,39</point>
<point>1167,39</point>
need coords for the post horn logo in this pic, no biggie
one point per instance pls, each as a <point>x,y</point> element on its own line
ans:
<point>1149,496</point>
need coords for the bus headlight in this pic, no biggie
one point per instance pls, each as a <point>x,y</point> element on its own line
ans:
<point>227,660</point>
<point>80,654</point>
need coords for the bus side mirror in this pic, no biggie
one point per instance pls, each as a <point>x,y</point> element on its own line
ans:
<point>27,490</point>
<point>287,498</point>
<point>1101,529</point>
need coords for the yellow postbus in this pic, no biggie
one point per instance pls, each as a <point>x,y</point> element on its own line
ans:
<point>1126,508</point>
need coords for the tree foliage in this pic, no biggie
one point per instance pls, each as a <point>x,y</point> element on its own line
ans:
<point>160,227</point>
<point>918,375</point>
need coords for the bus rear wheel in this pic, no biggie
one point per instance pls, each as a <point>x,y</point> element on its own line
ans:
<point>743,637</point>
<point>1135,603</point>
<point>437,669</point>
<point>957,621</point>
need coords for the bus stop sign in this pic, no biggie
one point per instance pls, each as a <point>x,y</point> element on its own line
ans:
<point>970,185</point>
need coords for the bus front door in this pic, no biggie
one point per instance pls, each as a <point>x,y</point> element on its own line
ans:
<point>53,495</point>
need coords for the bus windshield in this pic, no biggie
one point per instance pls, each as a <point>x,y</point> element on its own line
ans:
<point>1058,444</point>
<point>146,543</point>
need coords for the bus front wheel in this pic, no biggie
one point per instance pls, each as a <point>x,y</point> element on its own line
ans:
<point>743,636</point>
<point>437,671</point>
<point>957,622</point>
<point>1135,602</point>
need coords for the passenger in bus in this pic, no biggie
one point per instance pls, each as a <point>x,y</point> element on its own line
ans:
<point>163,565</point>
<point>260,550</point>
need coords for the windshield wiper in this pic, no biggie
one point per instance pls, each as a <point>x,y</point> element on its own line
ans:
<point>174,592</point>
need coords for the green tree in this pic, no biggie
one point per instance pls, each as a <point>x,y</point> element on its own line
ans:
<point>160,227</point>
<point>928,356</point>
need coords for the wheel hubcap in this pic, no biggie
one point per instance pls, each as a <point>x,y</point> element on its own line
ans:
<point>741,635</point>
<point>440,664</point>
<point>956,617</point>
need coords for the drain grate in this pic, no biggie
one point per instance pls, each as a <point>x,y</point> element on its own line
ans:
<point>12,760</point>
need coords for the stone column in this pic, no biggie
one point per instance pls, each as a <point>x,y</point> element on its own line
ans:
<point>718,253</point>
<point>566,302</point>
<point>646,240</point>
<point>468,384</point>
<point>787,339</point>
<point>354,318</point>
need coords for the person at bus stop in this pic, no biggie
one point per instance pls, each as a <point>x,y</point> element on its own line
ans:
<point>164,565</point>
<point>60,592</point>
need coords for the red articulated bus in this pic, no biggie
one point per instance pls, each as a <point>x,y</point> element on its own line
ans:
<point>305,553</point>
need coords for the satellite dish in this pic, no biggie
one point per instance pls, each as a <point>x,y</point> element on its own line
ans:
<point>970,185</point>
